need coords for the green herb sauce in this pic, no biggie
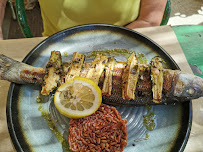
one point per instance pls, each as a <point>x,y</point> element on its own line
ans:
<point>140,56</point>
<point>65,54</point>
<point>46,115</point>
<point>148,119</point>
<point>146,138</point>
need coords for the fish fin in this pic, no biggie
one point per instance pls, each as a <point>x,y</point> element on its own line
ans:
<point>5,65</point>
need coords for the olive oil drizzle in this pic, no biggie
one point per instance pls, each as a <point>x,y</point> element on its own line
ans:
<point>124,52</point>
<point>148,119</point>
<point>46,115</point>
<point>149,123</point>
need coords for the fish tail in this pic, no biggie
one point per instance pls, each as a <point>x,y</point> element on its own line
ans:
<point>6,67</point>
<point>18,72</point>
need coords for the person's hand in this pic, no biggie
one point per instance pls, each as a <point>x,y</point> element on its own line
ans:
<point>151,14</point>
<point>2,11</point>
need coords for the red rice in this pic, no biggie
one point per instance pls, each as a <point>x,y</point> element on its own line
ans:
<point>102,131</point>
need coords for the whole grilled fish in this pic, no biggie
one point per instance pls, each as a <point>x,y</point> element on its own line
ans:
<point>121,83</point>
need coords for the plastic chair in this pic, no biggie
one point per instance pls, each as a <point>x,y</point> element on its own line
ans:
<point>22,19</point>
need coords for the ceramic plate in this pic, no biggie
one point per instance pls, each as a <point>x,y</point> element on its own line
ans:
<point>40,128</point>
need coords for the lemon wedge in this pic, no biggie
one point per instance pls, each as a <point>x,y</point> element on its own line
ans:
<point>78,98</point>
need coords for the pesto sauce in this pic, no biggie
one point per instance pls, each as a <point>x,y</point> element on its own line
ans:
<point>149,108</point>
<point>146,138</point>
<point>148,119</point>
<point>40,99</point>
<point>65,54</point>
<point>140,56</point>
<point>46,115</point>
<point>165,66</point>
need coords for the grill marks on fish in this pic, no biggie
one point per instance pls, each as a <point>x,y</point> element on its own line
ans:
<point>53,73</point>
<point>97,67</point>
<point>130,78</point>
<point>169,81</point>
<point>33,76</point>
<point>144,79</point>
<point>76,65</point>
<point>107,85</point>
<point>176,86</point>
<point>19,72</point>
<point>157,79</point>
<point>117,80</point>
<point>85,68</point>
<point>122,81</point>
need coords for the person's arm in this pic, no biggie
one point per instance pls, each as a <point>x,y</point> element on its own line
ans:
<point>2,11</point>
<point>151,14</point>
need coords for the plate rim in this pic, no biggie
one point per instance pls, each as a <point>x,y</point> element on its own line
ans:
<point>10,125</point>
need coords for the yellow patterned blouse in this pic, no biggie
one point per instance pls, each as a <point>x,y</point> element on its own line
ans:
<point>61,14</point>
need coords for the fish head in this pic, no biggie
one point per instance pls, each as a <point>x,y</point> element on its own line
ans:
<point>188,86</point>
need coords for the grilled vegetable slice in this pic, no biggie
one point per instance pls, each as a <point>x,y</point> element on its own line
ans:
<point>157,79</point>
<point>76,65</point>
<point>130,77</point>
<point>97,68</point>
<point>52,76</point>
<point>107,86</point>
<point>85,68</point>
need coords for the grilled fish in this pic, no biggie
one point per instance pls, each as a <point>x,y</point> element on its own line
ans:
<point>151,84</point>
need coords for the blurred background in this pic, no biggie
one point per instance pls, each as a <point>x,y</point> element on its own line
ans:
<point>183,12</point>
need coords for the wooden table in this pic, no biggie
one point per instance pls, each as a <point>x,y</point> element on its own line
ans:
<point>165,36</point>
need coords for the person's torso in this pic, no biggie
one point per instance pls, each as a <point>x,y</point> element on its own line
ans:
<point>62,14</point>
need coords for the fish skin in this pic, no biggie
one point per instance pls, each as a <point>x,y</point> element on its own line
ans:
<point>177,86</point>
<point>18,72</point>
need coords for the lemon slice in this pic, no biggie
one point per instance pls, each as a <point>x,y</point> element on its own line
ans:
<point>78,98</point>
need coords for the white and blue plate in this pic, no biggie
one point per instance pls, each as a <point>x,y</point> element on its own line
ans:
<point>30,131</point>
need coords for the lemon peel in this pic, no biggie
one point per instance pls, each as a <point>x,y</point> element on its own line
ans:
<point>78,98</point>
